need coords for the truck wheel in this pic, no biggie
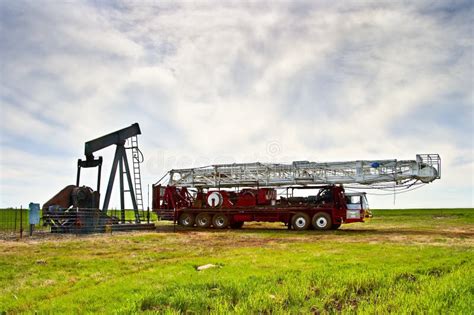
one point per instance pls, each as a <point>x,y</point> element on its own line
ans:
<point>322,221</point>
<point>300,221</point>
<point>186,219</point>
<point>220,221</point>
<point>335,226</point>
<point>237,225</point>
<point>203,220</point>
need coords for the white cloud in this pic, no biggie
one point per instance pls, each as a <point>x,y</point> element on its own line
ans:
<point>213,82</point>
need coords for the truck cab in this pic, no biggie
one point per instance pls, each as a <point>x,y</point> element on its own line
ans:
<point>357,206</point>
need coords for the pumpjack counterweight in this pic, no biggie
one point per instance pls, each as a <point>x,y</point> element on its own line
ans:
<point>426,168</point>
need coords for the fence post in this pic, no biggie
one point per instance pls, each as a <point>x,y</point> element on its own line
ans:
<point>148,205</point>
<point>16,215</point>
<point>21,221</point>
<point>76,222</point>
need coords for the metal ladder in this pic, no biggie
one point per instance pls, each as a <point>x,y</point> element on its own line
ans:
<point>137,158</point>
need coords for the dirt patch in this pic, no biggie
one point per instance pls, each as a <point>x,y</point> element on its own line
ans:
<point>260,235</point>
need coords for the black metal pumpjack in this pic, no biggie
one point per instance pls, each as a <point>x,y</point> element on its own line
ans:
<point>117,138</point>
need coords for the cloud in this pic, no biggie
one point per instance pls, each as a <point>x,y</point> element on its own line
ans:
<point>224,82</point>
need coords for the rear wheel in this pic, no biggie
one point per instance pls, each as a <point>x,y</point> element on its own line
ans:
<point>203,220</point>
<point>322,221</point>
<point>186,219</point>
<point>335,226</point>
<point>237,225</point>
<point>300,221</point>
<point>220,221</point>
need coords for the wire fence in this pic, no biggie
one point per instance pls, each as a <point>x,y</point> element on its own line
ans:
<point>15,222</point>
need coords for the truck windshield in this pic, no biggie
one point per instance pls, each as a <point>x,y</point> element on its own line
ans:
<point>355,202</point>
<point>354,199</point>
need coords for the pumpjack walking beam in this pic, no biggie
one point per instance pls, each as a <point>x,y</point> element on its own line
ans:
<point>117,138</point>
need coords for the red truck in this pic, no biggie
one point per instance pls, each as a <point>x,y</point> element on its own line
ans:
<point>205,208</point>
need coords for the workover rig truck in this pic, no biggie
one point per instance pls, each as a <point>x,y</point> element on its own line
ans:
<point>228,195</point>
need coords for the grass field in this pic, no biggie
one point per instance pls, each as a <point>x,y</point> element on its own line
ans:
<point>410,261</point>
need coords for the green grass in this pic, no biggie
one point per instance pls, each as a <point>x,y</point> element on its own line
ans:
<point>10,219</point>
<point>417,261</point>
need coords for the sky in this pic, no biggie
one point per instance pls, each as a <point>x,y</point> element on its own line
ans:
<point>236,81</point>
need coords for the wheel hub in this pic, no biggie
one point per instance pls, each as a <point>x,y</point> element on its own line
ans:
<point>300,222</point>
<point>322,222</point>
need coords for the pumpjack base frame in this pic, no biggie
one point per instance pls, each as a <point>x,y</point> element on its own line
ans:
<point>104,229</point>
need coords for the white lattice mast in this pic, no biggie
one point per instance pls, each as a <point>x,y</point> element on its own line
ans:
<point>426,168</point>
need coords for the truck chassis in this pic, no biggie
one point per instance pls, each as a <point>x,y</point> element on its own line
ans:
<point>297,213</point>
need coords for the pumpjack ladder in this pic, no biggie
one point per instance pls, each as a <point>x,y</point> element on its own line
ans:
<point>137,158</point>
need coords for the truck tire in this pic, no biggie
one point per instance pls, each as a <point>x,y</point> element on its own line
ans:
<point>237,225</point>
<point>322,221</point>
<point>300,221</point>
<point>335,226</point>
<point>203,220</point>
<point>186,219</point>
<point>220,221</point>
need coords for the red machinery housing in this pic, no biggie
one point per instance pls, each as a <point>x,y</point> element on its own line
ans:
<point>231,208</point>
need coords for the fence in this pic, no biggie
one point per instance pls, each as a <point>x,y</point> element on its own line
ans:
<point>15,223</point>
<point>89,220</point>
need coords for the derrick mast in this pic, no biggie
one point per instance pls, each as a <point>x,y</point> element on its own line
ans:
<point>425,168</point>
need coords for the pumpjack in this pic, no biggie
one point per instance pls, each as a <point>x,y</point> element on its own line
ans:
<point>76,207</point>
